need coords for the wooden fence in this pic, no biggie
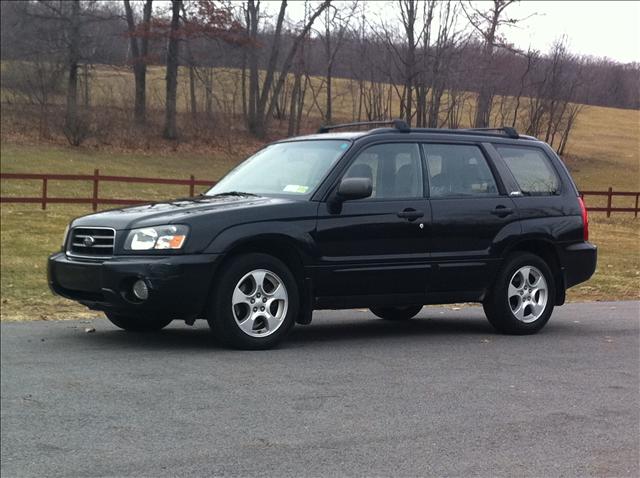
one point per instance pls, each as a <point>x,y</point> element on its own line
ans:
<point>96,179</point>
<point>192,182</point>
<point>610,194</point>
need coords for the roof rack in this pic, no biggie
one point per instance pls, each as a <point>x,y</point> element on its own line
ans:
<point>510,132</point>
<point>398,124</point>
<point>403,127</point>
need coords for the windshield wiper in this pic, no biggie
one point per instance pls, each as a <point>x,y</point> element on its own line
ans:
<point>232,193</point>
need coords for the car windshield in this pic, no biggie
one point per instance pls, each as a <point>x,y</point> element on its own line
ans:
<point>292,169</point>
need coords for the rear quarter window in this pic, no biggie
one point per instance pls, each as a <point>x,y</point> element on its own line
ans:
<point>532,170</point>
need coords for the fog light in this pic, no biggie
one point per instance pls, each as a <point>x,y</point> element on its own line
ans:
<point>140,290</point>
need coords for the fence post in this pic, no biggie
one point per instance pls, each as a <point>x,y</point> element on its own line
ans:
<point>96,180</point>
<point>192,186</point>
<point>44,193</point>
<point>610,194</point>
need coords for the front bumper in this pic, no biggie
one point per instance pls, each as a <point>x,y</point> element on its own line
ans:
<point>178,285</point>
<point>579,262</point>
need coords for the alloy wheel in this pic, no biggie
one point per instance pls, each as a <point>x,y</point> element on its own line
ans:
<point>527,294</point>
<point>259,303</point>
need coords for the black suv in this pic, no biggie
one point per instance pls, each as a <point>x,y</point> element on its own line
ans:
<point>391,219</point>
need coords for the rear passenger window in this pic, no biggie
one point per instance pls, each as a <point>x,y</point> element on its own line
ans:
<point>531,168</point>
<point>458,170</point>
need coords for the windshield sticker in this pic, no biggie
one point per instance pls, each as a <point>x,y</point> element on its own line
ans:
<point>295,188</point>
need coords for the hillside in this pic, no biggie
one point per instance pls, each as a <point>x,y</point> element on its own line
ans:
<point>604,151</point>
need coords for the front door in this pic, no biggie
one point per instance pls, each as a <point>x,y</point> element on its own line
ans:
<point>470,214</point>
<point>377,247</point>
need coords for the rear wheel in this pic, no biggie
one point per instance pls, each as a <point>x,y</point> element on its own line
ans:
<point>522,298</point>
<point>397,313</point>
<point>140,323</point>
<point>254,303</point>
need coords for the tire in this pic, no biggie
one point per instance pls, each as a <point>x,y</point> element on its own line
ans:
<point>517,307</point>
<point>396,313</point>
<point>263,323</point>
<point>137,323</point>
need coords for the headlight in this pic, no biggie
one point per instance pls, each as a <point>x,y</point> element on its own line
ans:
<point>158,237</point>
<point>64,238</point>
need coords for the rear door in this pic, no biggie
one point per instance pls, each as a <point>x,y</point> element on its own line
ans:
<point>377,247</point>
<point>471,213</point>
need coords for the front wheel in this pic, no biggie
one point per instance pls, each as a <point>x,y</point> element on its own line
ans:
<point>396,313</point>
<point>255,302</point>
<point>132,323</point>
<point>522,298</point>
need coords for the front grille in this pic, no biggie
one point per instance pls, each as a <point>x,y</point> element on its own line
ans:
<point>91,242</point>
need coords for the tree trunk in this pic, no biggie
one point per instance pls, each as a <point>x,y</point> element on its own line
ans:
<point>252,18</point>
<point>208,93</point>
<point>485,94</point>
<point>71,114</point>
<point>243,85</point>
<point>170,129</point>
<point>292,107</point>
<point>261,117</point>
<point>329,113</point>
<point>139,52</point>
<point>85,78</point>
<point>192,92</point>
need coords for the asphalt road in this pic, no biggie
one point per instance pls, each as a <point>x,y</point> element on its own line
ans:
<point>348,395</point>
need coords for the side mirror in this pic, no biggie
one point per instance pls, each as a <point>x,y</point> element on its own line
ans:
<point>354,188</point>
<point>349,189</point>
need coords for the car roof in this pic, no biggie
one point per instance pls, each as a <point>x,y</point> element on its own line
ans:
<point>414,134</point>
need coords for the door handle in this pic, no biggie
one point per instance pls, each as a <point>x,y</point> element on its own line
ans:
<point>410,214</point>
<point>502,211</point>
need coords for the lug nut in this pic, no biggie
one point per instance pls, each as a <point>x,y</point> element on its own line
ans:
<point>262,309</point>
<point>264,299</point>
<point>255,309</point>
<point>252,301</point>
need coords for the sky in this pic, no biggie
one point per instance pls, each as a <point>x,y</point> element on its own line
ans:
<point>598,28</point>
<point>603,29</point>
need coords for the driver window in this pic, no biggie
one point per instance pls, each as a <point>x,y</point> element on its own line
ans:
<point>395,170</point>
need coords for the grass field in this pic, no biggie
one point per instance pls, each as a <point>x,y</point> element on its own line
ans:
<point>25,295</point>
<point>604,151</point>
<point>23,252</point>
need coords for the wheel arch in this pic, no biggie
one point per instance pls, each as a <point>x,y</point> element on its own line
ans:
<point>278,246</point>
<point>286,249</point>
<point>547,251</point>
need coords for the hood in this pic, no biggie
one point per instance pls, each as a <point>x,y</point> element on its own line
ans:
<point>180,211</point>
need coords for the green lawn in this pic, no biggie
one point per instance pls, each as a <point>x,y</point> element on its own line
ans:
<point>25,295</point>
<point>29,234</point>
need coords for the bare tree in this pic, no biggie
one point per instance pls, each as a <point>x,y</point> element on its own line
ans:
<point>35,82</point>
<point>441,56</point>
<point>336,24</point>
<point>425,76</point>
<point>170,128</point>
<point>553,106</point>
<point>403,48</point>
<point>262,101</point>
<point>486,24</point>
<point>139,45</point>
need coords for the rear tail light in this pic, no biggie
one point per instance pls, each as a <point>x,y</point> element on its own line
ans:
<point>585,219</point>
